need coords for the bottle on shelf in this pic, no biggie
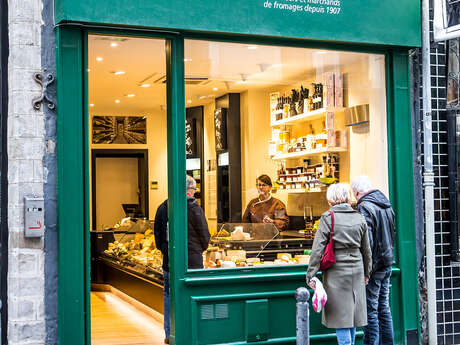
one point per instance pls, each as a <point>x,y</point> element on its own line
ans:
<point>293,102</point>
<point>286,107</point>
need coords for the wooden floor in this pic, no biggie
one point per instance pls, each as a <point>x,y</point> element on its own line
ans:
<point>116,322</point>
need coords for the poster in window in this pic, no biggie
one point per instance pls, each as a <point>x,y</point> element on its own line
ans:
<point>190,137</point>
<point>446,24</point>
<point>453,74</point>
<point>220,126</point>
<point>119,130</point>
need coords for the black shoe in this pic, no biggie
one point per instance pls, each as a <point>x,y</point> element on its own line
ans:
<point>166,340</point>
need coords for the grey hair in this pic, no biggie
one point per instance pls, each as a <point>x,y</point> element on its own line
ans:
<point>190,183</point>
<point>361,184</point>
<point>338,193</point>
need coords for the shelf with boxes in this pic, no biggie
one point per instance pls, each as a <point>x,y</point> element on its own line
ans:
<point>305,153</point>
<point>296,120</point>
<point>311,176</point>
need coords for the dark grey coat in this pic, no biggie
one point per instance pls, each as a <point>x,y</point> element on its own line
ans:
<point>344,281</point>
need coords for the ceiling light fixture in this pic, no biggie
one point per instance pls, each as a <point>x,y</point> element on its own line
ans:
<point>117,101</point>
<point>187,60</point>
<point>114,44</point>
<point>91,105</point>
<point>89,70</point>
<point>99,59</point>
<point>189,101</point>
<point>144,85</point>
<point>202,97</point>
<point>243,79</point>
<point>130,95</point>
<point>119,72</point>
<point>215,89</point>
<point>252,47</point>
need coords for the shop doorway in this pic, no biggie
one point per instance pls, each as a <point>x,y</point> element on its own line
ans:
<point>128,181</point>
<point>120,186</point>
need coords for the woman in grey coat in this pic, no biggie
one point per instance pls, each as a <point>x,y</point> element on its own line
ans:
<point>345,280</point>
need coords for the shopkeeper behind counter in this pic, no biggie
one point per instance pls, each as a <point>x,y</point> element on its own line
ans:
<point>265,208</point>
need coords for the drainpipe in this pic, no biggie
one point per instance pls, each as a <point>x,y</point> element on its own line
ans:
<point>428,176</point>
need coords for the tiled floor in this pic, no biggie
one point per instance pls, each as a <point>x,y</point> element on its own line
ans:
<point>116,322</point>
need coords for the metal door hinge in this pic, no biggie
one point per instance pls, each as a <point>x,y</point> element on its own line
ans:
<point>44,98</point>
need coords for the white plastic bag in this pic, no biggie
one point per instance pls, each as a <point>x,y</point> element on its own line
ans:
<point>320,296</point>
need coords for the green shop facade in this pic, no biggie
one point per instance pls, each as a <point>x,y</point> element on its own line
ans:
<point>259,300</point>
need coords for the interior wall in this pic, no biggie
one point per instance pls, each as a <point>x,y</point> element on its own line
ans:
<point>255,134</point>
<point>369,153</point>
<point>210,172</point>
<point>157,155</point>
<point>116,184</point>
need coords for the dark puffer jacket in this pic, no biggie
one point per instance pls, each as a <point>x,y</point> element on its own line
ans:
<point>380,218</point>
<point>198,233</point>
<point>161,232</point>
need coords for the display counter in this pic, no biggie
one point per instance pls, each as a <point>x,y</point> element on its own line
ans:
<point>127,259</point>
<point>258,244</point>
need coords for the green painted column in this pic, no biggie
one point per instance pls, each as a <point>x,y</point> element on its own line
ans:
<point>70,133</point>
<point>402,191</point>
<point>177,204</point>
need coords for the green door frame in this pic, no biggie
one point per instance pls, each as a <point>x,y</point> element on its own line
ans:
<point>189,288</point>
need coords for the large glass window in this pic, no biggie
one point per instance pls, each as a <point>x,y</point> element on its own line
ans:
<point>276,126</point>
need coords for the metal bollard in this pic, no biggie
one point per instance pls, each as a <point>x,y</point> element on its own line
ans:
<point>303,316</point>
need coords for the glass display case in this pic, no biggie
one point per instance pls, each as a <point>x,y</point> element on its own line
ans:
<point>256,244</point>
<point>130,246</point>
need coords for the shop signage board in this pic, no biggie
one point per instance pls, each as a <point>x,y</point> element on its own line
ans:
<point>388,22</point>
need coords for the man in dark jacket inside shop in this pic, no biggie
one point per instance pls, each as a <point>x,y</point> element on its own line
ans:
<point>198,239</point>
<point>376,208</point>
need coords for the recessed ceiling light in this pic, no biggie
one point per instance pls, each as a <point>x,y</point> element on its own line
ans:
<point>114,44</point>
<point>89,70</point>
<point>202,97</point>
<point>91,105</point>
<point>117,101</point>
<point>215,89</point>
<point>130,95</point>
<point>187,60</point>
<point>99,59</point>
<point>189,101</point>
<point>119,72</point>
<point>144,85</point>
<point>252,47</point>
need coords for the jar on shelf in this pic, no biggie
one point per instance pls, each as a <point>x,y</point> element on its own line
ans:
<point>285,136</point>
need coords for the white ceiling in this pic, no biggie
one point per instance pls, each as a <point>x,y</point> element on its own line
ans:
<point>212,69</point>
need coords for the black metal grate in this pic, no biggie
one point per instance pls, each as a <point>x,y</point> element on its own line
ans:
<point>447,273</point>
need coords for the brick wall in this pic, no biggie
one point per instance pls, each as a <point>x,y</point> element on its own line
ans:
<point>26,149</point>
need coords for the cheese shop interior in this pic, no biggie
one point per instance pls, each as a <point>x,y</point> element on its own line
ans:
<point>304,117</point>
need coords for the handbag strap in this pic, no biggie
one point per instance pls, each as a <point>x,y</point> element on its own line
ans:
<point>332,225</point>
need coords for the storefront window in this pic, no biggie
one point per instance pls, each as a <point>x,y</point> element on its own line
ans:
<point>268,129</point>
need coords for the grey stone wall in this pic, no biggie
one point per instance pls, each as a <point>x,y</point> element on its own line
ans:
<point>26,150</point>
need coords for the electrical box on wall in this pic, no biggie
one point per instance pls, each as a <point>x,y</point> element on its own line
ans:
<point>34,217</point>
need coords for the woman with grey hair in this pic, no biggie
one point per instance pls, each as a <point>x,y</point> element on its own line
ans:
<point>345,280</point>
